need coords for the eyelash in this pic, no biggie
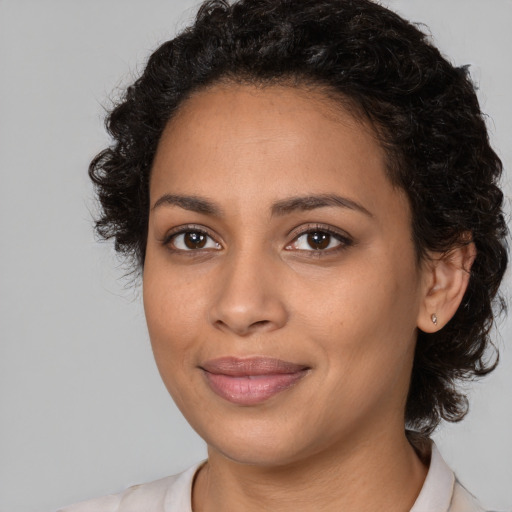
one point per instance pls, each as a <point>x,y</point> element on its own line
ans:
<point>343,239</point>
<point>182,230</point>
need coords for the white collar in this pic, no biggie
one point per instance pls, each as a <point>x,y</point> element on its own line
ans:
<point>437,491</point>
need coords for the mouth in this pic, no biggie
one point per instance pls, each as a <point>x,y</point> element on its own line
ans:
<point>253,380</point>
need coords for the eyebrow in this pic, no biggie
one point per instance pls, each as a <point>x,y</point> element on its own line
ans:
<point>191,203</point>
<point>306,203</point>
<point>280,208</point>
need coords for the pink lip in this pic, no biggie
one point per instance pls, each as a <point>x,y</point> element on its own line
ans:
<point>253,380</point>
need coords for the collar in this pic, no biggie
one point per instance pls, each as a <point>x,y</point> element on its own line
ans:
<point>437,491</point>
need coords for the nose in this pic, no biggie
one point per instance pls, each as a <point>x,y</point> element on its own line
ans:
<point>249,298</point>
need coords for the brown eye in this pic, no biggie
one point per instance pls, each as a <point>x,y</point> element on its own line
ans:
<point>193,241</point>
<point>319,240</point>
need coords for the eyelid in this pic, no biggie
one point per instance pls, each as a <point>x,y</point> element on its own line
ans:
<point>344,238</point>
<point>185,228</point>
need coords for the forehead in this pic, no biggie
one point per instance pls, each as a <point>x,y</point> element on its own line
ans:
<point>232,140</point>
<point>281,97</point>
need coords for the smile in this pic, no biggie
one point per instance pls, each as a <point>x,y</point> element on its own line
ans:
<point>251,381</point>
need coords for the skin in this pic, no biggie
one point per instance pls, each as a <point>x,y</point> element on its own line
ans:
<point>350,313</point>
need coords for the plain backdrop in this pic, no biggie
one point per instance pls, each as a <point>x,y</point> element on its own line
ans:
<point>83,411</point>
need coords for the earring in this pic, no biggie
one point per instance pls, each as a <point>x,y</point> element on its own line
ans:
<point>434,318</point>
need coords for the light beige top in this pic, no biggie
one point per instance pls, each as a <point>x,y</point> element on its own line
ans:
<point>441,492</point>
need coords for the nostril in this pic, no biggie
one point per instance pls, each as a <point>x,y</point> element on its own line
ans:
<point>247,329</point>
<point>260,323</point>
<point>244,312</point>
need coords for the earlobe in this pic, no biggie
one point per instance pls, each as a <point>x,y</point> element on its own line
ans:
<point>446,282</point>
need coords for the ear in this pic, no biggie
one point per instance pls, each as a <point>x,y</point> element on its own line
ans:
<point>446,279</point>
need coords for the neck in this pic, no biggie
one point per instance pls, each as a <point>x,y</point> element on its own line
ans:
<point>365,474</point>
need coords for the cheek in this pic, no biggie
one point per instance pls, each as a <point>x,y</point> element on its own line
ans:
<point>171,298</point>
<point>367,294</point>
<point>364,322</point>
<point>172,308</point>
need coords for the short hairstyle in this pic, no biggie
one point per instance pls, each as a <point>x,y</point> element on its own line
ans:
<point>425,114</point>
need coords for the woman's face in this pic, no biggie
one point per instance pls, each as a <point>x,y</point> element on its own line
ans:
<point>281,285</point>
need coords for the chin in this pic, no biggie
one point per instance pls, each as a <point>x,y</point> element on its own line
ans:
<point>260,444</point>
<point>264,444</point>
<point>257,454</point>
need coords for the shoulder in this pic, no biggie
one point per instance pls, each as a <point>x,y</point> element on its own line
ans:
<point>463,500</point>
<point>172,493</point>
<point>441,491</point>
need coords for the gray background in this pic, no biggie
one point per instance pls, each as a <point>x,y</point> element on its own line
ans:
<point>83,411</point>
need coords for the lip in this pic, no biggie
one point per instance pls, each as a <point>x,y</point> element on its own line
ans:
<point>251,381</point>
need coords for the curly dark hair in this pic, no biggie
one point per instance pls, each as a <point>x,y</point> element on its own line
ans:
<point>423,109</point>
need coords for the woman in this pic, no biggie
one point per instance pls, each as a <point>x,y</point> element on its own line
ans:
<point>309,192</point>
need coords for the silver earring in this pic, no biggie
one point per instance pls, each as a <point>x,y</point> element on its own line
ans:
<point>434,318</point>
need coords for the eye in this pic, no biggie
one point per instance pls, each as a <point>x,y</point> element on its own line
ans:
<point>192,240</point>
<point>318,240</point>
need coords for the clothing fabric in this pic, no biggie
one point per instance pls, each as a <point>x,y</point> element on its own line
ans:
<point>441,492</point>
